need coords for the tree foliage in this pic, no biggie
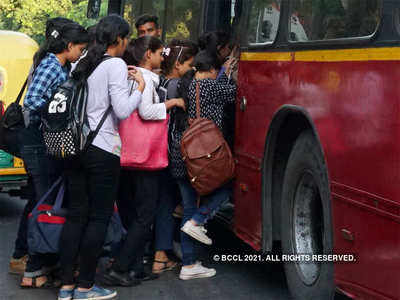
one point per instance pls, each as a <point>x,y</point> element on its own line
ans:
<point>182,15</point>
<point>30,16</point>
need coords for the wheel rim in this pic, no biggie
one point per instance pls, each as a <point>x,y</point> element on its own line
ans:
<point>308,227</point>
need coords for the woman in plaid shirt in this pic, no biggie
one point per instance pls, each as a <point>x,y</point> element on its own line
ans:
<point>64,45</point>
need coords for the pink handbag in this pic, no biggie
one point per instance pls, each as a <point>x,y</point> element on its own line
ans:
<point>144,143</point>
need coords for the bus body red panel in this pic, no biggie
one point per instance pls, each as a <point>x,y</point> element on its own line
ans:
<point>355,108</point>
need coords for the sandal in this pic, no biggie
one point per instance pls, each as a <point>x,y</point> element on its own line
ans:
<point>48,284</point>
<point>165,268</point>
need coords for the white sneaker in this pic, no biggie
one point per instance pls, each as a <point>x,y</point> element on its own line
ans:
<point>197,232</point>
<point>197,271</point>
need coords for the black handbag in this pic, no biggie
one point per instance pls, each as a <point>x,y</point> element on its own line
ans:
<point>11,123</point>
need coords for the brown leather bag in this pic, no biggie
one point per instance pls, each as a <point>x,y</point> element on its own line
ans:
<point>207,155</point>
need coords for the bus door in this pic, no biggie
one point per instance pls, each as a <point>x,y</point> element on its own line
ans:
<point>233,16</point>
<point>259,23</point>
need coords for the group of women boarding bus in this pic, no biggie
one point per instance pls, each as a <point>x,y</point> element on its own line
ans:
<point>126,76</point>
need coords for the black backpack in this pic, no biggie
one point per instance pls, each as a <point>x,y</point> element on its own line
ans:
<point>65,125</point>
<point>11,123</point>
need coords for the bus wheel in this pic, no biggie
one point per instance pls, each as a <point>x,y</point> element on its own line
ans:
<point>306,222</point>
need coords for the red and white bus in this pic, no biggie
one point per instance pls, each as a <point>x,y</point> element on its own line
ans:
<point>317,129</point>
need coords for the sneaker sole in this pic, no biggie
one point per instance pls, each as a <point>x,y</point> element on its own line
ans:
<point>99,298</point>
<point>195,276</point>
<point>195,236</point>
<point>65,298</point>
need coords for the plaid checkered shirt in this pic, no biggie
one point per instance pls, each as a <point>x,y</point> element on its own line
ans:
<point>47,77</point>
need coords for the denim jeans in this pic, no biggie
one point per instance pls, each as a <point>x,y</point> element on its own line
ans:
<point>21,242</point>
<point>164,223</point>
<point>200,215</point>
<point>92,182</point>
<point>43,171</point>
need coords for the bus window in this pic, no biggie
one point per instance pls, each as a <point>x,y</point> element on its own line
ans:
<point>183,19</point>
<point>264,21</point>
<point>134,9</point>
<point>218,15</point>
<point>397,19</point>
<point>333,19</point>
<point>178,18</point>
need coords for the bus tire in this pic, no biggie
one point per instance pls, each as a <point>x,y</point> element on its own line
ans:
<point>306,222</point>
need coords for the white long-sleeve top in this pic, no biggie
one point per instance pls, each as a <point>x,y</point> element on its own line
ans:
<point>108,85</point>
<point>150,108</point>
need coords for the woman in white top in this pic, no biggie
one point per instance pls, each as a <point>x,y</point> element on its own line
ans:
<point>93,178</point>
<point>139,190</point>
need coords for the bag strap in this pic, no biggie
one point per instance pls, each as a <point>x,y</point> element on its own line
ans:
<point>93,135</point>
<point>165,83</point>
<point>197,100</point>
<point>21,91</point>
<point>47,194</point>
<point>60,198</point>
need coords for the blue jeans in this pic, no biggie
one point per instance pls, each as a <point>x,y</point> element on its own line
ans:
<point>43,171</point>
<point>164,223</point>
<point>21,242</point>
<point>200,215</point>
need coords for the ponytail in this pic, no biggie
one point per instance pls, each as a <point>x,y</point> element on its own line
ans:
<point>108,30</point>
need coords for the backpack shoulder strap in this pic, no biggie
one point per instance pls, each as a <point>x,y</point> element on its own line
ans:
<point>93,134</point>
<point>104,58</point>
<point>21,91</point>
<point>165,83</point>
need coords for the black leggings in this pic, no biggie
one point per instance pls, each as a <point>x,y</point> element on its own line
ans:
<point>92,186</point>
<point>137,203</point>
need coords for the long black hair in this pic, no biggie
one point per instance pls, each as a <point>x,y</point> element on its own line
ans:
<point>203,62</point>
<point>59,33</point>
<point>108,30</point>
<point>179,50</point>
<point>92,36</point>
<point>136,49</point>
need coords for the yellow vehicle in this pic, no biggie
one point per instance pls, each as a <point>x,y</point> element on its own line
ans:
<point>16,54</point>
